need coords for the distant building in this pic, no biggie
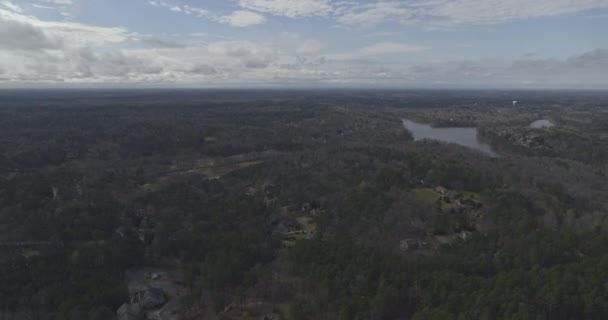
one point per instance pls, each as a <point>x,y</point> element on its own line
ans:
<point>514,103</point>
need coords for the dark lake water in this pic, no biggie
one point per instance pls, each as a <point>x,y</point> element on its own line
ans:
<point>543,123</point>
<point>463,136</point>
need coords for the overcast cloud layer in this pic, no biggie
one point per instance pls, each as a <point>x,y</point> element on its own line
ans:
<point>424,43</point>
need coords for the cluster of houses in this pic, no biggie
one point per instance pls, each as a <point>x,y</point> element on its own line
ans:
<point>140,302</point>
<point>300,227</point>
<point>459,204</point>
<point>152,295</point>
<point>76,192</point>
<point>452,202</point>
<point>526,139</point>
<point>413,244</point>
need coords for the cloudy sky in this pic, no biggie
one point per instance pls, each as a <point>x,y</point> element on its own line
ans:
<point>305,43</point>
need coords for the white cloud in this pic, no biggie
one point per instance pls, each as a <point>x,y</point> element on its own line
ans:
<point>441,13</point>
<point>238,18</point>
<point>224,62</point>
<point>497,11</point>
<point>60,2</point>
<point>289,8</point>
<point>194,10</point>
<point>379,49</point>
<point>182,9</point>
<point>376,13</point>
<point>425,13</point>
<point>301,47</point>
<point>205,35</point>
<point>391,48</point>
<point>160,4</point>
<point>310,47</point>
<point>69,32</point>
<point>155,42</point>
<point>35,51</point>
<point>40,6</point>
<point>15,35</point>
<point>586,70</point>
<point>242,18</point>
<point>11,6</point>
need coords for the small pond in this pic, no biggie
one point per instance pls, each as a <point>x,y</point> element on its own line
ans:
<point>542,123</point>
<point>463,136</point>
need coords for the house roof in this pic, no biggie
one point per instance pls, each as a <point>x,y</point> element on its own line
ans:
<point>150,298</point>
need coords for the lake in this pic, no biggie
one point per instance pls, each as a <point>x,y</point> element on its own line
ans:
<point>463,136</point>
<point>543,123</point>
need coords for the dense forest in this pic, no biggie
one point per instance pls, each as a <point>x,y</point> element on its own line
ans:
<point>302,205</point>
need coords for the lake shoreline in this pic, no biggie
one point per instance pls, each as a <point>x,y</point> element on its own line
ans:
<point>464,136</point>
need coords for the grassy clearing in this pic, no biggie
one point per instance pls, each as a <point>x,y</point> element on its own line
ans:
<point>30,253</point>
<point>472,195</point>
<point>288,243</point>
<point>427,194</point>
<point>220,170</point>
<point>308,224</point>
<point>151,187</point>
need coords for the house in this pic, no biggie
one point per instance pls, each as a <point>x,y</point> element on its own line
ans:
<point>441,190</point>
<point>409,244</point>
<point>288,227</point>
<point>150,298</point>
<point>158,276</point>
<point>310,206</point>
<point>155,275</point>
<point>129,311</point>
<point>271,190</point>
<point>469,203</point>
<point>465,235</point>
